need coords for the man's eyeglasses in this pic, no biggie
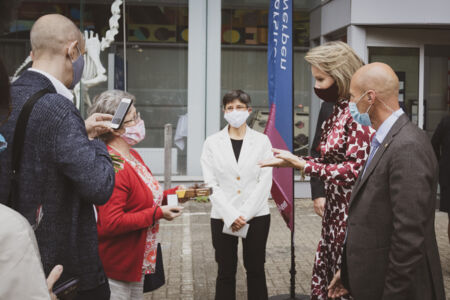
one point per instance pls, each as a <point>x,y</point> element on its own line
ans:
<point>238,108</point>
<point>135,119</point>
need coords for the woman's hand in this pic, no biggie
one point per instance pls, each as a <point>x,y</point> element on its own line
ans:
<point>98,124</point>
<point>336,289</point>
<point>171,212</point>
<point>283,159</point>
<point>319,206</point>
<point>238,224</point>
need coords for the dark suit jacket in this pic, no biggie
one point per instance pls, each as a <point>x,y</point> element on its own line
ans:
<point>391,248</point>
<point>317,185</point>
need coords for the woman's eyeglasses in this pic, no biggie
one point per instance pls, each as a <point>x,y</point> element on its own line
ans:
<point>135,119</point>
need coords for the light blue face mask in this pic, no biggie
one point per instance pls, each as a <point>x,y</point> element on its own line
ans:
<point>361,118</point>
<point>3,143</point>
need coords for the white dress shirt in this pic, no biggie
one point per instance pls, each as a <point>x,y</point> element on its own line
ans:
<point>59,86</point>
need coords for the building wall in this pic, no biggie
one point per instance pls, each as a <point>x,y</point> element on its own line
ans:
<point>389,12</point>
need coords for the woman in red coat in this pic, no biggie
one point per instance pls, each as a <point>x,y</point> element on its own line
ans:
<point>128,223</point>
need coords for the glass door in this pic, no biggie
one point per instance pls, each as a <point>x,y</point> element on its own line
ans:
<point>406,64</point>
<point>437,85</point>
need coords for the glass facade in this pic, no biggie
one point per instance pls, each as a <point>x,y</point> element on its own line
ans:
<point>156,39</point>
<point>157,62</point>
<point>156,57</point>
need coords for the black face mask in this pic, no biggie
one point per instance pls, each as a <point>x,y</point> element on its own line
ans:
<point>330,94</point>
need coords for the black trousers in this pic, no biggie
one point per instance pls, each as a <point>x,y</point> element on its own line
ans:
<point>254,253</point>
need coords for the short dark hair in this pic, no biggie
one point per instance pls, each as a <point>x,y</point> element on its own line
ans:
<point>5,96</point>
<point>236,94</point>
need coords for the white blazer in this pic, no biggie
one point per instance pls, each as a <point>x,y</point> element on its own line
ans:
<point>239,189</point>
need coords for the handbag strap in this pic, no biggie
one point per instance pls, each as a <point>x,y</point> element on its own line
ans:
<point>154,215</point>
<point>18,142</point>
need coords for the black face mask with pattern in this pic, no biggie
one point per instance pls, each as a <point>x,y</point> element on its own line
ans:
<point>330,94</point>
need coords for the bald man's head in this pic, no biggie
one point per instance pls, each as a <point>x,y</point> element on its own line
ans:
<point>378,77</point>
<point>50,35</point>
<point>374,89</point>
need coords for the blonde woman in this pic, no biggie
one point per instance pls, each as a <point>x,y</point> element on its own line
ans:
<point>344,147</point>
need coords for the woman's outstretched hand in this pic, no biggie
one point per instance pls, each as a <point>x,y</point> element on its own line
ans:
<point>283,159</point>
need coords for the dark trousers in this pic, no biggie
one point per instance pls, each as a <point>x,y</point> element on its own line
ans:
<point>254,253</point>
<point>102,292</point>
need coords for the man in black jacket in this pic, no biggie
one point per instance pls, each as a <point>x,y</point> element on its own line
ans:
<point>441,146</point>
<point>64,171</point>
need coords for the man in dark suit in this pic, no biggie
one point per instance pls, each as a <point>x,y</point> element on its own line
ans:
<point>64,170</point>
<point>390,249</point>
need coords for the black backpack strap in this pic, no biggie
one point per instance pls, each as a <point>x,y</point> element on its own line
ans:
<point>19,139</point>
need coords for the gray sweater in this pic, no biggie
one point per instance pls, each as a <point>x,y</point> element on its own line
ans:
<point>65,172</point>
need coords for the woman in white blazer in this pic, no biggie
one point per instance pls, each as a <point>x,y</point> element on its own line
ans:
<point>240,192</point>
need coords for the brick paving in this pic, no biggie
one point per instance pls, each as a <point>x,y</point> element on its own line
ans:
<point>191,269</point>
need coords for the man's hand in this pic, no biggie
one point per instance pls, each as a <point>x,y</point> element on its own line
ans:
<point>171,212</point>
<point>52,278</point>
<point>283,159</point>
<point>336,289</point>
<point>319,206</point>
<point>238,224</point>
<point>98,124</point>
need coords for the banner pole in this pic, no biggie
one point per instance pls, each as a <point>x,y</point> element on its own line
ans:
<point>293,270</point>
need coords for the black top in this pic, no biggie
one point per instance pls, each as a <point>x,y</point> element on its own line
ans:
<point>237,145</point>
<point>317,186</point>
<point>441,145</point>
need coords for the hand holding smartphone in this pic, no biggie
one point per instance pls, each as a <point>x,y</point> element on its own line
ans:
<point>121,112</point>
<point>171,212</point>
<point>67,290</point>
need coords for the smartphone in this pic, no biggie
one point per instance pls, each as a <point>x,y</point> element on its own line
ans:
<point>175,210</point>
<point>67,290</point>
<point>121,112</point>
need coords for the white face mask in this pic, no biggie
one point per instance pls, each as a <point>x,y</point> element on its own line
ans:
<point>236,118</point>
